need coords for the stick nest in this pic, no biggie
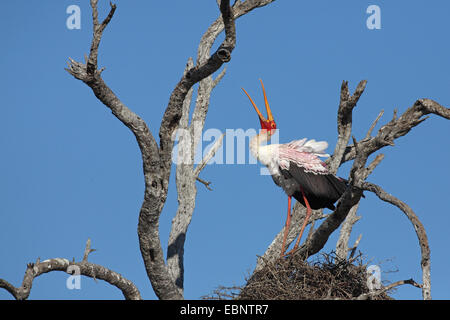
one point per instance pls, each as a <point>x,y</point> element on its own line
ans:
<point>292,278</point>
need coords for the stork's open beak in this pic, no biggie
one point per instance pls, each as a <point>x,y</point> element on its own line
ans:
<point>269,112</point>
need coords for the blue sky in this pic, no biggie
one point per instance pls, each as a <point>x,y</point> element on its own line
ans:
<point>70,170</point>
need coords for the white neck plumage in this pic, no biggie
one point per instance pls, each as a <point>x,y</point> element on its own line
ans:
<point>263,153</point>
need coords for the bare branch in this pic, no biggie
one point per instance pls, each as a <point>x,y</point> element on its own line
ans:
<point>219,77</point>
<point>346,105</point>
<point>373,165</point>
<point>172,114</point>
<point>420,232</point>
<point>369,295</point>
<point>353,249</point>
<point>155,186</point>
<point>98,32</point>
<point>87,250</point>
<point>95,271</point>
<point>206,183</point>
<point>399,127</point>
<point>184,121</point>
<point>348,200</point>
<point>157,159</point>
<point>186,175</point>
<point>346,230</point>
<point>359,152</point>
<point>311,231</point>
<point>186,190</point>
<point>10,288</point>
<point>374,123</point>
<point>352,218</point>
<point>208,156</point>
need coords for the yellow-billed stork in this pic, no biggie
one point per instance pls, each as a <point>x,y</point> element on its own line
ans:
<point>297,168</point>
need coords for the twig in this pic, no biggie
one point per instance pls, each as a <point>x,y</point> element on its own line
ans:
<point>87,250</point>
<point>208,156</point>
<point>374,123</point>
<point>373,165</point>
<point>206,183</point>
<point>98,32</point>
<point>219,77</point>
<point>353,249</point>
<point>346,105</point>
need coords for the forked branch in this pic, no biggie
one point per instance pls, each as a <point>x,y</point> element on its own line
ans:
<point>157,159</point>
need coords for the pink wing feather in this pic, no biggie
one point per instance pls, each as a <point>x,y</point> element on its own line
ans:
<point>305,153</point>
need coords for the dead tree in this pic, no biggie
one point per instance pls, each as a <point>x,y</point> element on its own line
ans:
<point>166,274</point>
<point>359,152</point>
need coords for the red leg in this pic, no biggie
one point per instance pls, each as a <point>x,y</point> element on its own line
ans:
<point>286,227</point>
<point>308,214</point>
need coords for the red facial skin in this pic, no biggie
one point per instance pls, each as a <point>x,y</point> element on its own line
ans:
<point>268,125</point>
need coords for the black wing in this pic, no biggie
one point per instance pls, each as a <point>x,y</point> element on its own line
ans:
<point>321,190</point>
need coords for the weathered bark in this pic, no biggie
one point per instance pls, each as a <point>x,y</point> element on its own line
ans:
<point>95,271</point>
<point>167,280</point>
<point>186,174</point>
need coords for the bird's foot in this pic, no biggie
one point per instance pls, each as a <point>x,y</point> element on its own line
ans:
<point>291,252</point>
